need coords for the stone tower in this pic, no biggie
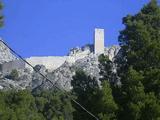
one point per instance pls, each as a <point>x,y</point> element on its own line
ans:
<point>99,41</point>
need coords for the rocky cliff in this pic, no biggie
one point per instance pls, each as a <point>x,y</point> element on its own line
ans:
<point>78,58</point>
<point>5,54</point>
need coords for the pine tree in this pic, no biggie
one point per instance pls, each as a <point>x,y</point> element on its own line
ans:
<point>139,66</point>
<point>140,40</point>
<point>132,96</point>
<point>106,104</point>
<point>85,89</point>
<point>54,105</point>
<point>105,66</point>
<point>18,105</point>
<point>43,105</point>
<point>98,100</point>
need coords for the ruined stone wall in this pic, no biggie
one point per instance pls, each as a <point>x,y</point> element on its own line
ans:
<point>50,62</point>
<point>53,62</point>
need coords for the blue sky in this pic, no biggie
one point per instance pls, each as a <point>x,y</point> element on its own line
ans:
<point>52,27</point>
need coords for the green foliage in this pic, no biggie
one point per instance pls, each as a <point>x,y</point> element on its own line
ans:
<point>151,110</point>
<point>54,105</point>
<point>18,106</point>
<point>82,83</point>
<point>140,40</point>
<point>97,100</point>
<point>106,70</point>
<point>132,96</point>
<point>46,105</point>
<point>105,67</point>
<point>139,67</point>
<point>106,104</point>
<point>85,89</point>
<point>152,81</point>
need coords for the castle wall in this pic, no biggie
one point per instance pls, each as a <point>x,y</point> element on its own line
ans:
<point>53,62</point>
<point>49,62</point>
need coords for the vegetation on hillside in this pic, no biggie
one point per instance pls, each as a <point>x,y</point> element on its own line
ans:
<point>45,105</point>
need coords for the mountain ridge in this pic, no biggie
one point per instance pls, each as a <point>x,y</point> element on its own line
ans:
<point>78,58</point>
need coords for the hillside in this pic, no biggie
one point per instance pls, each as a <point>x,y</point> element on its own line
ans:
<point>62,71</point>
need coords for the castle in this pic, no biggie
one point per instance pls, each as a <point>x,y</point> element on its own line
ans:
<point>53,62</point>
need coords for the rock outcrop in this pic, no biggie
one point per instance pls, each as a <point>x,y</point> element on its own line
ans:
<point>78,58</point>
<point>5,54</point>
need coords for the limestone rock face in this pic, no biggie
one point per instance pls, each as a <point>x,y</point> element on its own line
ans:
<point>78,58</point>
<point>54,62</point>
<point>112,51</point>
<point>88,62</point>
<point>5,54</point>
<point>63,75</point>
<point>24,81</point>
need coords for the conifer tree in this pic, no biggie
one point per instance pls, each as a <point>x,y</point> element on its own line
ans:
<point>105,66</point>
<point>140,65</point>
<point>85,89</point>
<point>140,40</point>
<point>106,105</point>
<point>98,100</point>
